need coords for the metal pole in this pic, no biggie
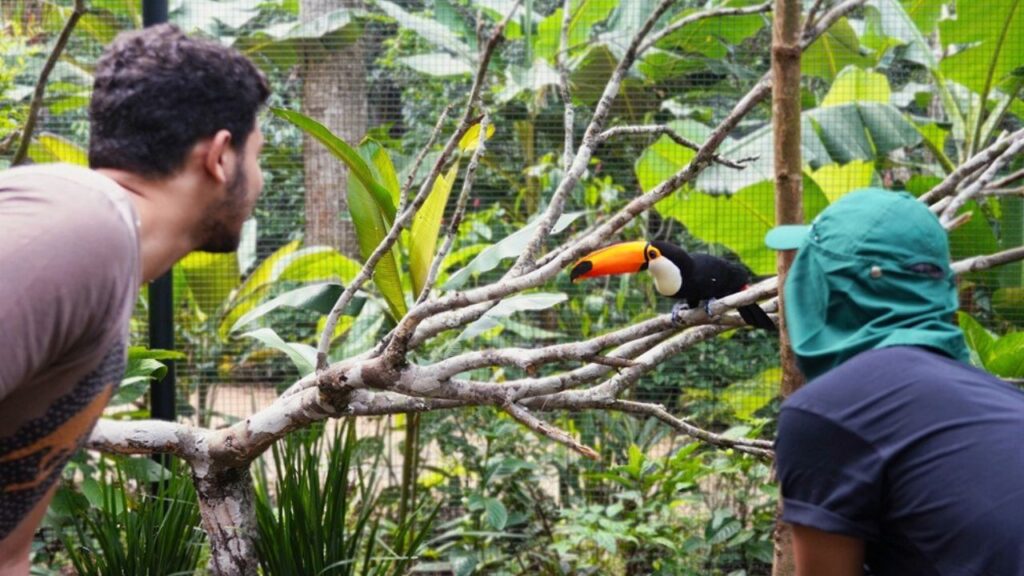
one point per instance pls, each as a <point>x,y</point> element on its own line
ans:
<point>161,290</point>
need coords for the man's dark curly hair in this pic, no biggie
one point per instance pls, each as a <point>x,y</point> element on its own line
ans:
<point>157,92</point>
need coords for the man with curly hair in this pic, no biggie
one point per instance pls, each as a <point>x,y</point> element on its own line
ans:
<point>173,167</point>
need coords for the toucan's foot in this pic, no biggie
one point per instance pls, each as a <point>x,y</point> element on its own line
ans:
<point>708,304</point>
<point>677,312</point>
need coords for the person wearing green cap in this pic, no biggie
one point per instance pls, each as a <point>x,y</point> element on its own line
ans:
<point>898,457</point>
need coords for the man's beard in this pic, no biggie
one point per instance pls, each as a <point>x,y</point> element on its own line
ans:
<point>223,224</point>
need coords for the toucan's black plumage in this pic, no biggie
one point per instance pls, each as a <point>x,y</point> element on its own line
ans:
<point>691,278</point>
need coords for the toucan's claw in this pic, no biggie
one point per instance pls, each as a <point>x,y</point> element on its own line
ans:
<point>708,304</point>
<point>677,312</point>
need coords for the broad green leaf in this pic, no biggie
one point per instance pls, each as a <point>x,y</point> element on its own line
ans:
<point>211,278</point>
<point>835,180</point>
<point>749,396</point>
<point>990,35</point>
<point>356,165</point>
<point>496,513</point>
<point>102,26</point>
<point>267,271</point>
<point>509,247</point>
<point>426,226</point>
<point>371,229</point>
<point>664,157</point>
<point>1011,235</point>
<point>382,168</point>
<point>437,64</point>
<point>1006,356</point>
<point>319,298</point>
<point>711,36</point>
<point>47,148</point>
<point>978,338</point>
<point>584,14</point>
<point>509,306</point>
<point>143,469</point>
<point>192,15</point>
<point>302,356</point>
<point>1009,304</point>
<point>497,10</point>
<point>364,332</point>
<point>973,238</point>
<point>854,85</point>
<point>318,263</point>
<point>141,352</point>
<point>589,74</point>
<point>430,30</point>
<point>285,42</point>
<point>833,51</point>
<point>536,79</point>
<point>910,21</point>
<point>738,221</point>
<point>662,65</point>
<point>471,139</point>
<point>862,131</point>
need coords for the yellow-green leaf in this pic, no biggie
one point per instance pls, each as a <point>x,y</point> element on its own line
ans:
<point>211,278</point>
<point>854,85</point>
<point>371,228</point>
<point>835,180</point>
<point>471,139</point>
<point>425,228</point>
<point>48,148</point>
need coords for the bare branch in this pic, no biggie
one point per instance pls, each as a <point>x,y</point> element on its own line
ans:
<point>982,181</point>
<point>760,448</point>
<point>523,416</point>
<point>37,96</point>
<point>986,261</point>
<point>569,117</point>
<point>1008,180</point>
<point>975,163</point>
<point>716,13</point>
<point>813,13</point>
<point>738,164</point>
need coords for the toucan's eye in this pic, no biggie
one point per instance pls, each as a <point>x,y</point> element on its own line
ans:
<point>652,254</point>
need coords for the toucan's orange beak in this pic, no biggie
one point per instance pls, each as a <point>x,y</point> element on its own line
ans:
<point>623,258</point>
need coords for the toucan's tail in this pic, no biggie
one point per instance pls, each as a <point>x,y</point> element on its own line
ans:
<point>755,316</point>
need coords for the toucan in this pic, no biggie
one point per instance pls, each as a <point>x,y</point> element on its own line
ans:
<point>690,278</point>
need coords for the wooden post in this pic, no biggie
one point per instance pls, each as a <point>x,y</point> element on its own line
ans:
<point>786,126</point>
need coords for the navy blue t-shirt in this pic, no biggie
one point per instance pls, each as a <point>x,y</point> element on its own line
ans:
<point>917,454</point>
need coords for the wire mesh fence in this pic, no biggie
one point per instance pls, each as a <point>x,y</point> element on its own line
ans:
<point>895,94</point>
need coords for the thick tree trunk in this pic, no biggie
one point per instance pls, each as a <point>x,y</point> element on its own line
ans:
<point>334,94</point>
<point>227,507</point>
<point>788,203</point>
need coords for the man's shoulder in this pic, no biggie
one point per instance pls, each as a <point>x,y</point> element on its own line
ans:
<point>900,380</point>
<point>69,201</point>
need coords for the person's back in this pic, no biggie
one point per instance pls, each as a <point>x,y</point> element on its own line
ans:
<point>70,277</point>
<point>174,144</point>
<point>918,454</point>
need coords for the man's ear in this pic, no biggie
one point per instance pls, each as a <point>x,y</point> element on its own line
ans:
<point>219,157</point>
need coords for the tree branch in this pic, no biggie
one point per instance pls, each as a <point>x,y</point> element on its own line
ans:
<point>37,96</point>
<point>975,163</point>
<point>738,164</point>
<point>687,20</point>
<point>523,416</point>
<point>982,181</point>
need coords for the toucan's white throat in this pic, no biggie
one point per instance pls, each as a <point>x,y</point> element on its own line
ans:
<point>668,279</point>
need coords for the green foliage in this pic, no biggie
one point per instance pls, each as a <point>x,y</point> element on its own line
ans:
<point>331,518</point>
<point>114,527</point>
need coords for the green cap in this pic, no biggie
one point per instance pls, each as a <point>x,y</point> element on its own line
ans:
<point>872,271</point>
